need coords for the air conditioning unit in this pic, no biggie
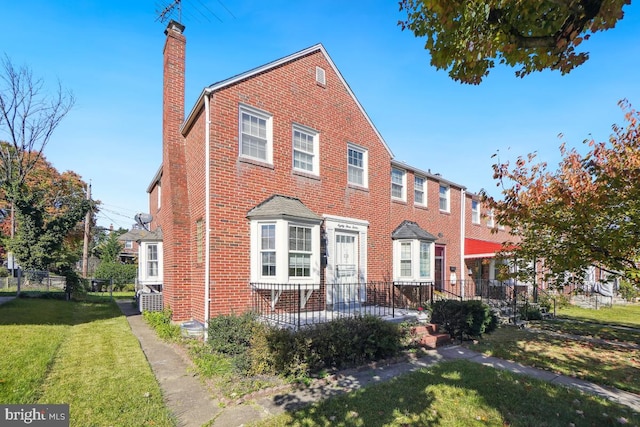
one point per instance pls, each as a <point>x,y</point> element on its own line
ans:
<point>150,301</point>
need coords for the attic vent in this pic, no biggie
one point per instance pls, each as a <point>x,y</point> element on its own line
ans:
<point>320,77</point>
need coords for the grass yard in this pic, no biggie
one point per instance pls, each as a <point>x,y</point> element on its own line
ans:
<point>82,354</point>
<point>610,364</point>
<point>459,393</point>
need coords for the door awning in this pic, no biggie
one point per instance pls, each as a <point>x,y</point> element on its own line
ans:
<point>475,248</point>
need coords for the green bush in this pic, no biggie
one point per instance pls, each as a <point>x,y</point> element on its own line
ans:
<point>338,344</point>
<point>230,334</point>
<point>120,274</point>
<point>462,319</point>
<point>160,321</point>
<point>628,290</point>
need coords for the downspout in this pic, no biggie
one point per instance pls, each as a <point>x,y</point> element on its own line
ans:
<point>463,270</point>
<point>207,213</point>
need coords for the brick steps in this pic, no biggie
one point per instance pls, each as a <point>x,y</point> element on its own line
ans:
<point>427,336</point>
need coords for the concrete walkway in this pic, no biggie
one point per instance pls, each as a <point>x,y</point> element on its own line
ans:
<point>192,404</point>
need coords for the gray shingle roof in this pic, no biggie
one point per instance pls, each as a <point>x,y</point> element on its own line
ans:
<point>411,230</point>
<point>278,206</point>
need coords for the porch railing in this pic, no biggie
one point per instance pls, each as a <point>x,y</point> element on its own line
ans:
<point>297,305</point>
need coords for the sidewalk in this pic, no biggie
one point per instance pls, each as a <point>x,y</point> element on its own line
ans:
<point>193,406</point>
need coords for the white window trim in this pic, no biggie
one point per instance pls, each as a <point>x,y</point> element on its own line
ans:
<point>415,261</point>
<point>475,213</point>
<point>316,149</point>
<point>143,251</point>
<point>403,190</point>
<point>282,253</point>
<point>490,219</point>
<point>365,165</point>
<point>269,131</point>
<point>423,191</point>
<point>448,198</point>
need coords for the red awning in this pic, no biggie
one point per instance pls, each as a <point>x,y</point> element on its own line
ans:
<point>474,248</point>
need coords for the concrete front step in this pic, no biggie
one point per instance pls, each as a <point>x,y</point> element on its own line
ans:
<point>427,336</point>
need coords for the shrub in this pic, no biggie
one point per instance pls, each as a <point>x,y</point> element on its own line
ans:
<point>230,334</point>
<point>628,290</point>
<point>338,344</point>
<point>464,318</point>
<point>160,321</point>
<point>120,274</point>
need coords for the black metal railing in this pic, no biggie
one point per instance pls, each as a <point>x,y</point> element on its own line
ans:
<point>297,305</point>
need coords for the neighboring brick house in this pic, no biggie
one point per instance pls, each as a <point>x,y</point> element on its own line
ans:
<point>483,239</point>
<point>278,176</point>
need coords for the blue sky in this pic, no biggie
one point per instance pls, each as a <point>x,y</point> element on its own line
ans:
<point>109,53</point>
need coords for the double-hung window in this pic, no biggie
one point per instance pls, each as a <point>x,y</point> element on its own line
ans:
<point>305,150</point>
<point>152,260</point>
<point>418,191</point>
<point>475,212</point>
<point>300,251</point>
<point>398,187</point>
<point>490,218</point>
<point>256,135</point>
<point>357,159</point>
<point>444,198</point>
<point>267,250</point>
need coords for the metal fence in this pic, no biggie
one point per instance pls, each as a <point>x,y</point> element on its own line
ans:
<point>297,305</point>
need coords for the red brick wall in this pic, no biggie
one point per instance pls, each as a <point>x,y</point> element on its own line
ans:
<point>443,225</point>
<point>174,218</point>
<point>291,94</point>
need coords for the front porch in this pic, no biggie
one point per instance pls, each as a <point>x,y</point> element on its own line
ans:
<point>295,306</point>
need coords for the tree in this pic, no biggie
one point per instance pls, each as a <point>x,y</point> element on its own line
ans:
<point>28,117</point>
<point>108,250</point>
<point>48,210</point>
<point>585,213</point>
<point>467,37</point>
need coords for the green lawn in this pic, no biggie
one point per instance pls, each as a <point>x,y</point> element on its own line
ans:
<point>82,354</point>
<point>460,394</point>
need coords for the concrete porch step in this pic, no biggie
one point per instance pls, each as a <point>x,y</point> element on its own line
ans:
<point>427,336</point>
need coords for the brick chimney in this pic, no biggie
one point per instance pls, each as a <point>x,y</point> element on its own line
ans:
<point>174,215</point>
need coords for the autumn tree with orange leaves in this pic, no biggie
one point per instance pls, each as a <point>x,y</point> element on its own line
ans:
<point>48,210</point>
<point>587,212</point>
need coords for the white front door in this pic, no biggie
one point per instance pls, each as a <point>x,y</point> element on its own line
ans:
<point>347,269</point>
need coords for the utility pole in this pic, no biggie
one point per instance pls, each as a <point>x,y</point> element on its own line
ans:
<point>87,229</point>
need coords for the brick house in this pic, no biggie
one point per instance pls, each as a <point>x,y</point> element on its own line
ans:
<point>278,176</point>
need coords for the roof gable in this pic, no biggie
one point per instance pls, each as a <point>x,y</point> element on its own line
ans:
<point>269,66</point>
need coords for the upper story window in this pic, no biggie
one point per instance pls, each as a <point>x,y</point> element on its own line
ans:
<point>305,150</point>
<point>444,198</point>
<point>398,185</point>
<point>159,190</point>
<point>357,162</point>
<point>256,135</point>
<point>475,212</point>
<point>418,191</point>
<point>128,244</point>
<point>490,219</point>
